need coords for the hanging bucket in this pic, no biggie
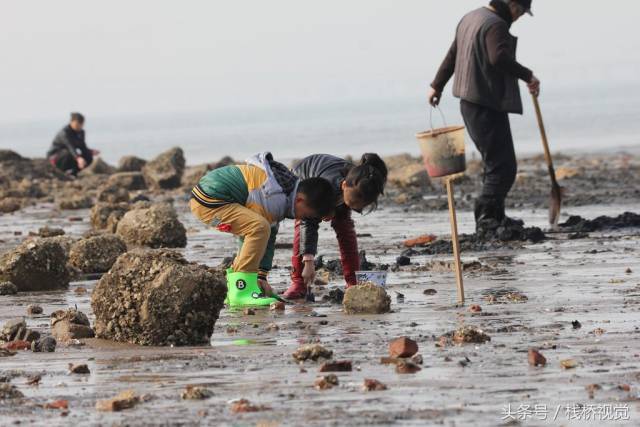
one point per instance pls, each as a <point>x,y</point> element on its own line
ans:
<point>443,150</point>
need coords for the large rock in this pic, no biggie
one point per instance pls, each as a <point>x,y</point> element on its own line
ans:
<point>10,204</point>
<point>70,324</point>
<point>131,181</point>
<point>10,156</point>
<point>367,298</point>
<point>105,216</point>
<point>165,171</point>
<point>36,265</point>
<point>193,174</point>
<point>74,201</point>
<point>131,164</point>
<point>406,171</point>
<point>157,227</point>
<point>113,194</point>
<point>96,254</point>
<point>97,167</point>
<point>155,297</point>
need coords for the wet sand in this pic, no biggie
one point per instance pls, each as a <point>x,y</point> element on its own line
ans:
<point>564,280</point>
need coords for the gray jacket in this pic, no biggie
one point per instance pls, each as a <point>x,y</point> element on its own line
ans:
<point>334,170</point>
<point>476,80</point>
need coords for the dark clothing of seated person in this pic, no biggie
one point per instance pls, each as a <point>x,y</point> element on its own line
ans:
<point>69,151</point>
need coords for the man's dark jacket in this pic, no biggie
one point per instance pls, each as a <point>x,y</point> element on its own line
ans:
<point>71,142</point>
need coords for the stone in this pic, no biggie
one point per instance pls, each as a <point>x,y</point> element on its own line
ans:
<point>10,204</point>
<point>70,324</point>
<point>11,328</point>
<point>156,297</point>
<point>192,392</point>
<point>337,366</point>
<point>16,345</point>
<point>79,369</point>
<point>74,201</point>
<point>373,385</point>
<point>8,391</point>
<point>406,171</point>
<point>6,353</point>
<point>244,405</point>
<point>36,265</point>
<point>429,292</point>
<point>44,345</point>
<point>165,171</point>
<point>277,306</point>
<point>131,181</point>
<point>47,231</point>
<point>470,334</point>
<point>403,347</point>
<point>8,288</point>
<point>157,227</point>
<point>96,254</point>
<point>568,363</point>
<point>403,261</point>
<point>367,298</point>
<point>475,308</point>
<point>33,309</point>
<point>124,400</point>
<point>105,216</point>
<point>113,194</point>
<point>131,164</point>
<point>407,368</point>
<point>249,311</point>
<point>10,156</point>
<point>326,382</point>
<point>97,167</point>
<point>536,358</point>
<point>312,351</point>
<point>57,404</point>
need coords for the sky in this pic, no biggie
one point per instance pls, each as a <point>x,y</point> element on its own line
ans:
<point>130,57</point>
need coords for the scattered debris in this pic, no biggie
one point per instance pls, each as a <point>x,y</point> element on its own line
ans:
<point>79,369</point>
<point>568,363</point>
<point>504,295</point>
<point>373,385</point>
<point>326,382</point>
<point>403,347</point>
<point>313,352</point>
<point>337,366</point>
<point>536,358</point>
<point>243,405</point>
<point>367,298</point>
<point>124,400</point>
<point>579,224</point>
<point>192,392</point>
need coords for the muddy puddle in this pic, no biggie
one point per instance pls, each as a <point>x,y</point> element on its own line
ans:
<point>528,298</point>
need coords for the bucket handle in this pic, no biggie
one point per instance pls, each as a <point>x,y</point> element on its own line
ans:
<point>437,107</point>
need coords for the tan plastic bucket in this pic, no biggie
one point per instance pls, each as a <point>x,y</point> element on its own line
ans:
<point>443,151</point>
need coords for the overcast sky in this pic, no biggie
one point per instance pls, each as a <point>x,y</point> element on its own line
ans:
<point>116,57</point>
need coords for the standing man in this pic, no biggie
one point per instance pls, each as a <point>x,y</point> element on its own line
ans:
<point>483,59</point>
<point>69,151</point>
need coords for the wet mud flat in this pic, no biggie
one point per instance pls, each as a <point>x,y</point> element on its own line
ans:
<point>529,297</point>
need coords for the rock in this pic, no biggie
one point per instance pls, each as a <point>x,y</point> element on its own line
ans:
<point>564,172</point>
<point>576,324</point>
<point>420,241</point>
<point>568,363</point>
<point>113,194</point>
<point>417,359</point>
<point>243,405</point>
<point>403,261</point>
<point>10,204</point>
<point>36,265</point>
<point>366,298</point>
<point>536,358</point>
<point>8,391</point>
<point>131,181</point>
<point>125,400</point>
<point>57,404</point>
<point>74,202</point>
<point>79,369</point>
<point>131,164</point>
<point>96,254</point>
<point>46,231</point>
<point>8,288</point>
<point>429,292</point>
<point>337,366</point>
<point>165,171</point>
<point>70,324</point>
<point>249,311</point>
<point>475,308</point>
<point>312,351</point>
<point>10,156</point>
<point>155,297</point>
<point>33,310</point>
<point>157,227</point>
<point>17,345</point>
<point>403,347</point>
<point>97,167</point>
<point>373,385</point>
<point>193,392</point>
<point>407,368</point>
<point>105,216</point>
<point>11,328</point>
<point>44,345</point>
<point>277,306</point>
<point>326,382</point>
<point>6,353</point>
<point>470,334</point>
<point>406,171</point>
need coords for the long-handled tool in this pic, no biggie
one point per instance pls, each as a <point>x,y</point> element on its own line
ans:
<point>454,238</point>
<point>555,200</point>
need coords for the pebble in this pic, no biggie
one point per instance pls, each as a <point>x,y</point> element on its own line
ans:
<point>33,309</point>
<point>326,382</point>
<point>407,368</point>
<point>337,366</point>
<point>46,345</point>
<point>536,358</point>
<point>403,347</point>
<point>79,369</point>
<point>373,385</point>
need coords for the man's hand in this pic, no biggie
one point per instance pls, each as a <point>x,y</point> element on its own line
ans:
<point>434,97</point>
<point>82,163</point>
<point>308,272</point>
<point>266,287</point>
<point>534,86</point>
